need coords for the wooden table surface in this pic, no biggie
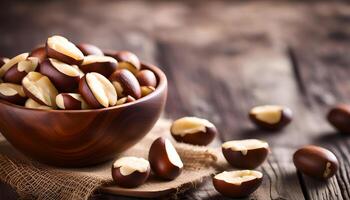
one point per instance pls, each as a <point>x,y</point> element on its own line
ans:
<point>221,58</point>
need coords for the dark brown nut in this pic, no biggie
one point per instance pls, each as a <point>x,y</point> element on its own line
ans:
<point>146,78</point>
<point>12,93</point>
<point>146,90</point>
<point>39,88</point>
<point>18,71</point>
<point>3,60</point>
<point>125,83</point>
<point>70,101</point>
<point>124,100</point>
<point>193,130</point>
<point>65,77</point>
<point>61,49</point>
<point>271,117</point>
<point>104,65</point>
<point>39,52</point>
<point>97,90</point>
<point>130,172</point>
<point>127,60</point>
<point>13,61</point>
<point>316,162</point>
<point>339,117</point>
<point>245,154</point>
<point>30,103</point>
<point>237,184</point>
<point>164,159</point>
<point>89,49</point>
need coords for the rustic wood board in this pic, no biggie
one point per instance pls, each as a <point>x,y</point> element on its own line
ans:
<point>221,58</point>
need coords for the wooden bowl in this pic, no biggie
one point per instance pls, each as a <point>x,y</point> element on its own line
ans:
<point>77,138</point>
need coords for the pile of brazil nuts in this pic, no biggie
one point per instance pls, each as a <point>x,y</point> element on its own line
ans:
<point>62,75</point>
<point>243,155</point>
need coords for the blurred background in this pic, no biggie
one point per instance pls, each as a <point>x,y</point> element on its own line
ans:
<point>220,57</point>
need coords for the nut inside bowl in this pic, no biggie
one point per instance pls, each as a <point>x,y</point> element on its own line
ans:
<point>77,138</point>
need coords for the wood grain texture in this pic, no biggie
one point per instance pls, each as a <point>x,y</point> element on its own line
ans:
<point>221,58</point>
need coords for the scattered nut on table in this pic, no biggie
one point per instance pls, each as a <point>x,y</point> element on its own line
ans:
<point>237,184</point>
<point>130,172</point>
<point>245,154</point>
<point>316,162</point>
<point>164,159</point>
<point>271,117</point>
<point>339,118</point>
<point>193,130</point>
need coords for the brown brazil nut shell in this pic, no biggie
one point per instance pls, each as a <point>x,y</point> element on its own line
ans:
<point>316,161</point>
<point>245,154</point>
<point>130,172</point>
<point>61,49</point>
<point>339,118</point>
<point>271,117</point>
<point>193,130</point>
<point>146,78</point>
<point>13,61</point>
<point>89,49</point>
<point>126,83</point>
<point>39,88</point>
<point>237,184</point>
<point>71,101</point>
<point>65,77</point>
<point>97,90</point>
<point>17,72</point>
<point>30,103</point>
<point>165,161</point>
<point>104,65</point>
<point>39,52</point>
<point>127,60</point>
<point>12,93</point>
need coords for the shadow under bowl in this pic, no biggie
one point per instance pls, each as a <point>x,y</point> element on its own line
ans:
<point>78,138</point>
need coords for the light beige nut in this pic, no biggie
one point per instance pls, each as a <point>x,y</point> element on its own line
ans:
<point>13,61</point>
<point>97,90</point>
<point>30,103</point>
<point>146,90</point>
<point>40,89</point>
<point>61,49</point>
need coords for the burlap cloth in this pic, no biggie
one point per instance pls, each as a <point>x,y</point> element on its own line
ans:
<point>33,180</point>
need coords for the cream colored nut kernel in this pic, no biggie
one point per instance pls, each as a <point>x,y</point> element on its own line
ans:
<point>98,59</point>
<point>69,70</point>
<point>13,61</point>
<point>173,156</point>
<point>270,113</point>
<point>190,125</point>
<point>41,88</point>
<point>118,88</point>
<point>102,89</point>
<point>28,65</point>
<point>10,89</point>
<point>146,90</point>
<point>128,165</point>
<point>64,46</point>
<point>30,103</point>
<point>245,145</point>
<point>238,177</point>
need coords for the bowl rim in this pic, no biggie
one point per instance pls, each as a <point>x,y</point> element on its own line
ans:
<point>162,84</point>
